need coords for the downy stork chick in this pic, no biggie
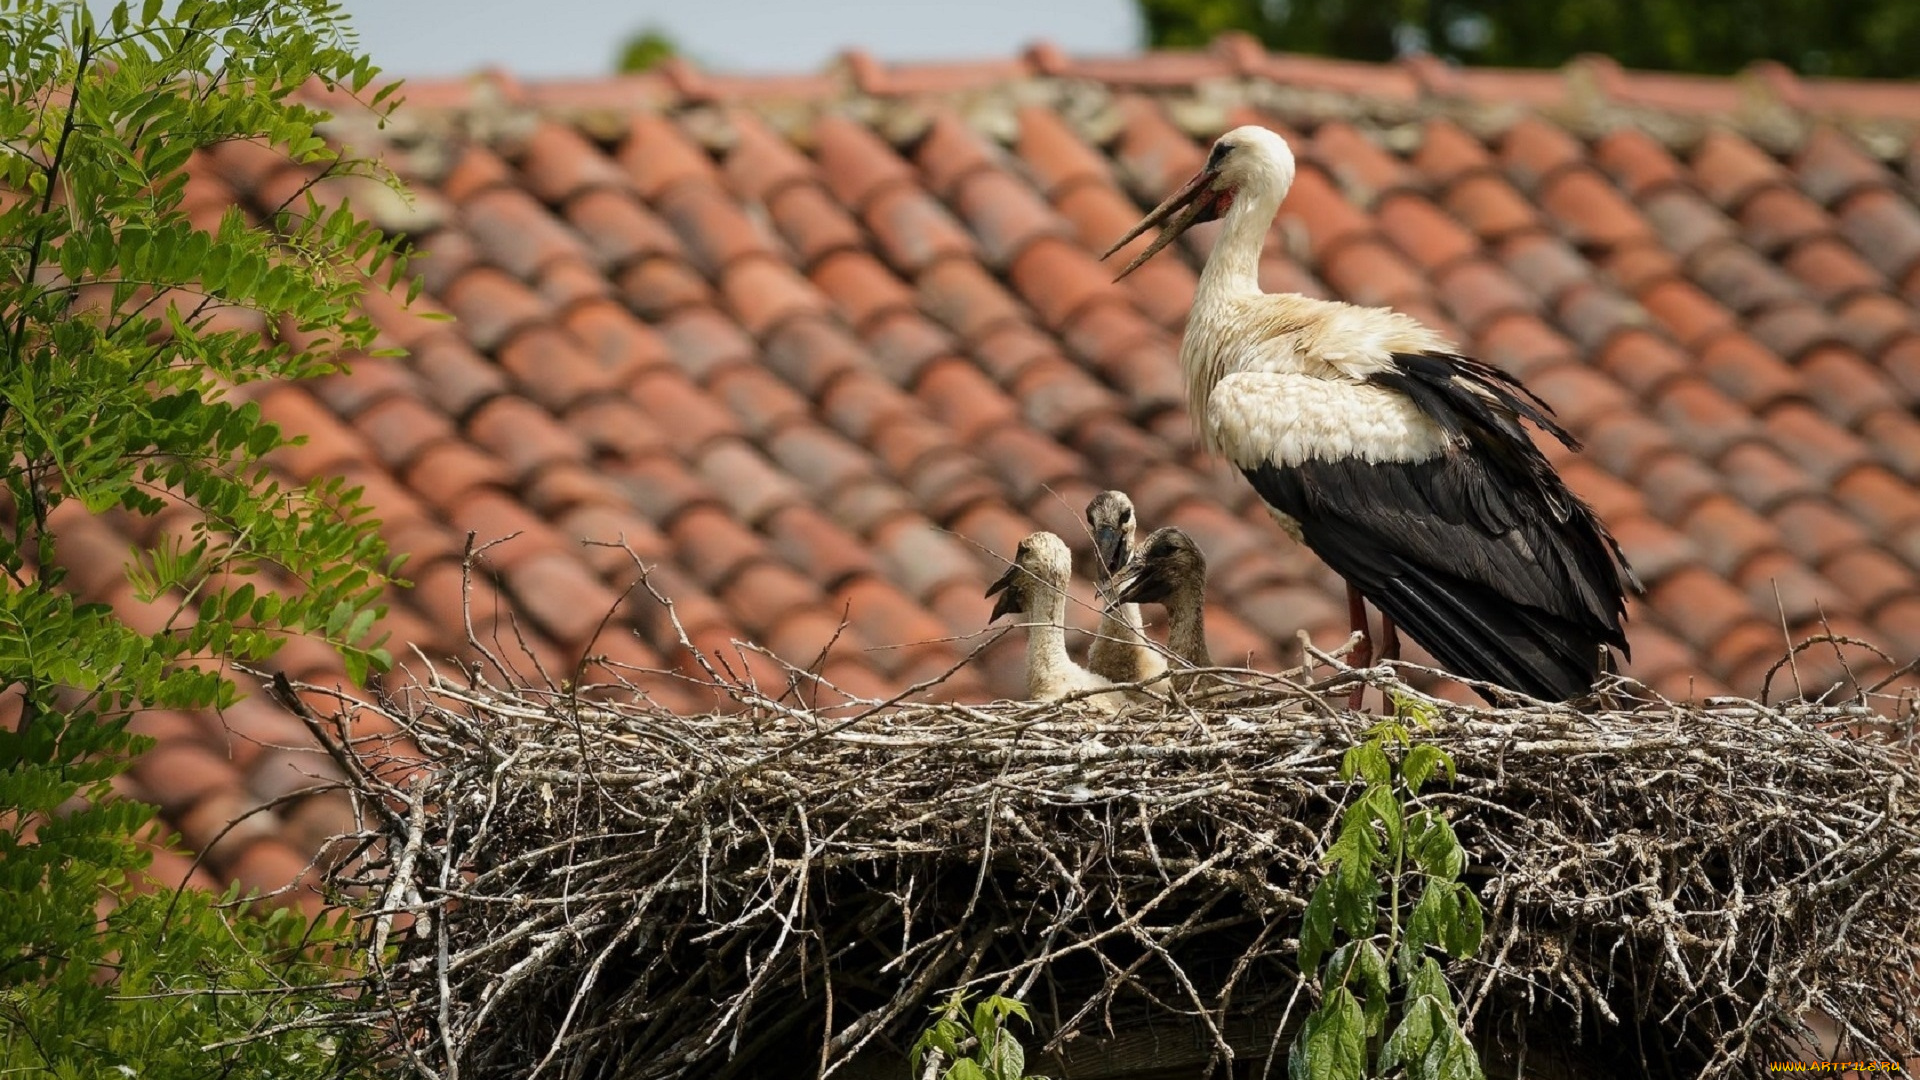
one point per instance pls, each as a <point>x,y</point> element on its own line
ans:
<point>1400,462</point>
<point>1120,650</point>
<point>1035,585</point>
<point>1169,569</point>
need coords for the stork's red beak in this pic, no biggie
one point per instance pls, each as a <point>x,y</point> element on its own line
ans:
<point>1195,202</point>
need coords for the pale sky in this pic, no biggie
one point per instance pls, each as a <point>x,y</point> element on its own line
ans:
<point>534,38</point>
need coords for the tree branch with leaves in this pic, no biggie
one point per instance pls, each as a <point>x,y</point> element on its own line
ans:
<point>126,323</point>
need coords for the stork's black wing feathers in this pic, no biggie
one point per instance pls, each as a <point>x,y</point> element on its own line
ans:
<point>1481,553</point>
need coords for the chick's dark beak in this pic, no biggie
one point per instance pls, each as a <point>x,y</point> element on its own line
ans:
<point>1195,202</point>
<point>1136,584</point>
<point>1009,601</point>
<point>1110,543</point>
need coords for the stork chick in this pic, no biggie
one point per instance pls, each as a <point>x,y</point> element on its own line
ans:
<point>1120,651</point>
<point>1399,461</point>
<point>1169,569</point>
<point>1035,585</point>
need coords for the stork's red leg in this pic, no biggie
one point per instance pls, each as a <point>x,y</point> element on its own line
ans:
<point>1389,638</point>
<point>1362,654</point>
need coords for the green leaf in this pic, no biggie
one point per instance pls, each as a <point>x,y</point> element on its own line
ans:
<point>1332,1043</point>
<point>1422,760</point>
<point>1316,927</point>
<point>1370,973</point>
<point>1433,847</point>
<point>1410,1041</point>
<point>1429,981</point>
<point>1368,761</point>
<point>1449,1057</point>
<point>1006,1060</point>
<point>1463,934</point>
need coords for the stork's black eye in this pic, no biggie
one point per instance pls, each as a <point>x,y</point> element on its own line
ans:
<point>1126,514</point>
<point>1219,155</point>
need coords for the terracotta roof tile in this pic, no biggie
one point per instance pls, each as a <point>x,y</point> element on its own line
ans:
<point>515,232</point>
<point>1545,265</point>
<point>1885,228</point>
<point>1870,577</point>
<point>525,437</point>
<point>1902,362</point>
<point>1427,234</point>
<point>552,369</point>
<point>715,229</point>
<point>1762,477</point>
<point>1059,281</point>
<point>398,427</point>
<point>1477,291</point>
<point>1637,162</point>
<point>563,597</point>
<point>1325,215</point>
<point>1830,269</point>
<point>1673,483</point>
<point>1731,169</point>
<point>1369,273</point>
<point>1447,152</point>
<point>1594,314</point>
<point>619,229</point>
<point>1894,436</point>
<point>1490,206</point>
<point>658,287</point>
<point>812,351</point>
<point>1815,529</point>
<point>1776,219</point>
<point>1700,604</point>
<point>763,293</point>
<point>566,282</point>
<point>1728,534</point>
<point>559,163</point>
<point>1057,396</point>
<point>765,592</point>
<point>1058,157</point>
<point>1871,321</point>
<point>1590,212</point>
<point>657,157</point>
<point>493,516</point>
<point>761,166</point>
<point>1776,582</point>
<point>1820,446</point>
<point>1880,499</point>
<point>1534,149</point>
<point>913,230</point>
<point>813,225</point>
<point>1831,166</point>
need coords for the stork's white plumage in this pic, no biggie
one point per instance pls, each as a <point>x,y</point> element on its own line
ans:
<point>1400,462</point>
<point>1035,585</point>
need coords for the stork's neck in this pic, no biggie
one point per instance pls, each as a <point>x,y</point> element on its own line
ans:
<point>1047,659</point>
<point>1234,267</point>
<point>1187,627</point>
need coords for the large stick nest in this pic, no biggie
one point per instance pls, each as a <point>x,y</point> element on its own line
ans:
<point>576,888</point>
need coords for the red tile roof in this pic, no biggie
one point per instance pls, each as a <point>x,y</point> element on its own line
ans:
<point>824,347</point>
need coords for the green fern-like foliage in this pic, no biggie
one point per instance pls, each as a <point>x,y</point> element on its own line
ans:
<point>117,352</point>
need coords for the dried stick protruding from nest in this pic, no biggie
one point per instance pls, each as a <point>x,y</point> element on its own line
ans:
<point>608,889</point>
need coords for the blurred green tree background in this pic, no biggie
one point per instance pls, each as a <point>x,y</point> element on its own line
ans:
<point>1859,38</point>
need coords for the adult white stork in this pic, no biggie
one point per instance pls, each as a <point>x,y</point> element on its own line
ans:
<point>1400,462</point>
